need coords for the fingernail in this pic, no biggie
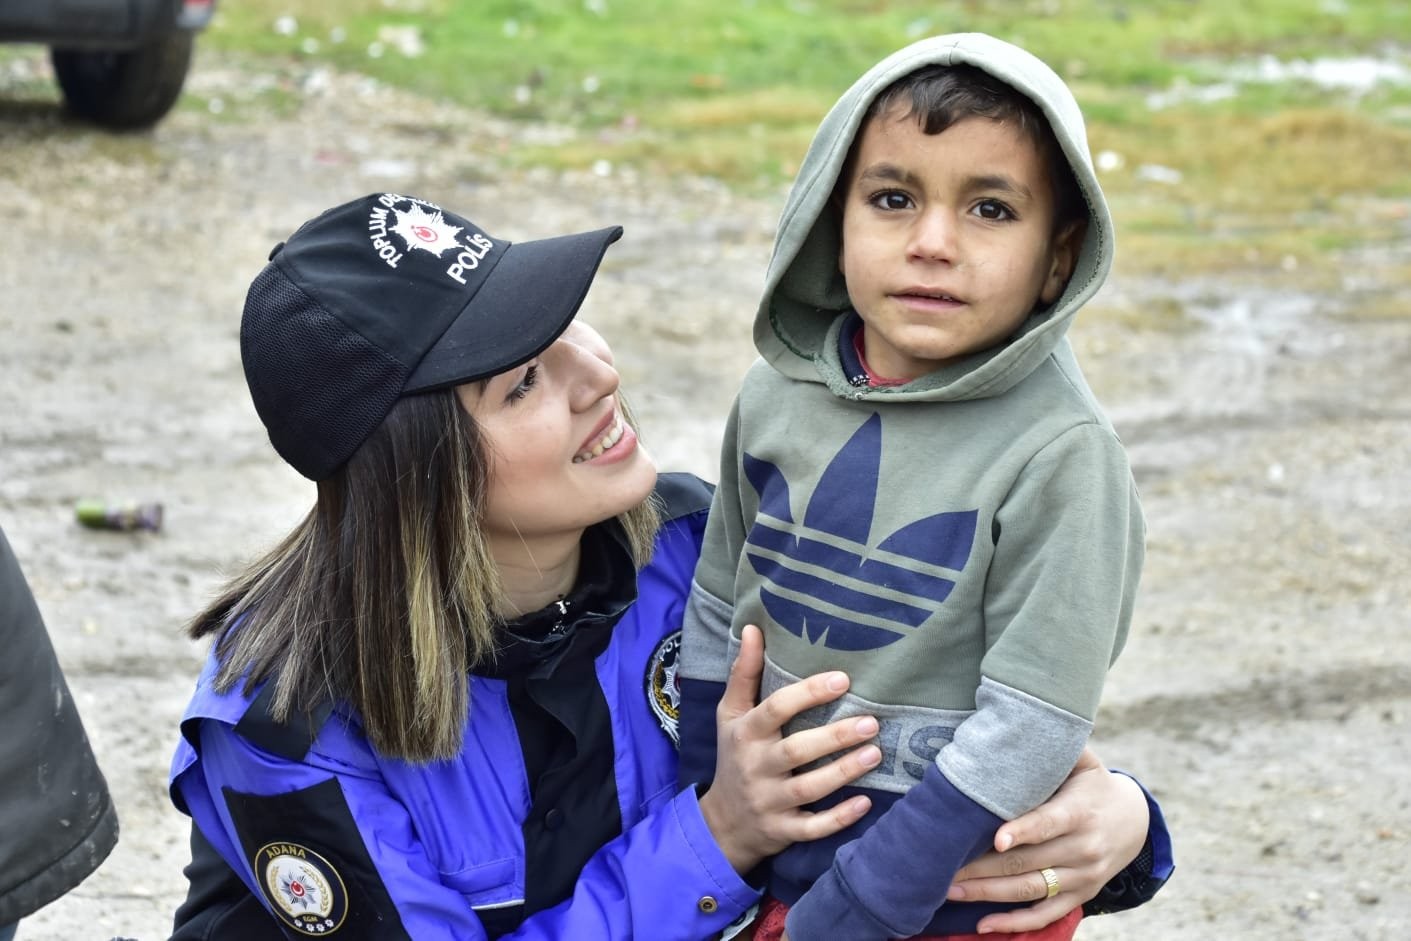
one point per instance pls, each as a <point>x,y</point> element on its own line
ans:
<point>870,755</point>
<point>837,681</point>
<point>955,893</point>
<point>866,726</point>
<point>1004,842</point>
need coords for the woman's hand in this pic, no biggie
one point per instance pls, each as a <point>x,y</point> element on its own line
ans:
<point>1093,826</point>
<point>753,806</point>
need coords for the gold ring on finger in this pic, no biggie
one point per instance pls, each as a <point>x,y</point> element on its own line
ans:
<point>1051,879</point>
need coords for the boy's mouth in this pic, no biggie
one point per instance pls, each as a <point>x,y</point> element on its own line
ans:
<point>933,302</point>
<point>929,295</point>
<point>601,443</point>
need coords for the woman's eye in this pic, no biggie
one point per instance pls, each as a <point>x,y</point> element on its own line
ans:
<point>891,200</point>
<point>531,376</point>
<point>993,210</point>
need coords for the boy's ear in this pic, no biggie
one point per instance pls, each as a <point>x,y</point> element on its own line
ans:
<point>1067,245</point>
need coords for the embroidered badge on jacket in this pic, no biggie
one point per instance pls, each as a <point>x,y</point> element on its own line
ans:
<point>303,888</point>
<point>664,689</point>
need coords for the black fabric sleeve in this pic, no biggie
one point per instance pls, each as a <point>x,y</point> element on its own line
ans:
<point>218,905</point>
<point>312,866</point>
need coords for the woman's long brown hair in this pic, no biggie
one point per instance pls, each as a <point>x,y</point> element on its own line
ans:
<point>385,596</point>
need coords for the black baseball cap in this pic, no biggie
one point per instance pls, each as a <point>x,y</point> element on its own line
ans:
<point>391,295</point>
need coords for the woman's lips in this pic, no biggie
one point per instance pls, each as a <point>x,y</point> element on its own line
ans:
<point>604,440</point>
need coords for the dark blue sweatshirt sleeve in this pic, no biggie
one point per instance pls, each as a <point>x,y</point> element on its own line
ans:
<point>698,701</point>
<point>868,896</point>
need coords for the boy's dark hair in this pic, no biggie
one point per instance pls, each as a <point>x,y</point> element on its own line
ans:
<point>941,95</point>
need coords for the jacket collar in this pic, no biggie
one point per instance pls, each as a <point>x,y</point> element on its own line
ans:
<point>578,625</point>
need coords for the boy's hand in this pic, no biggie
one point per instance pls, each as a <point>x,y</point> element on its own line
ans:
<point>753,807</point>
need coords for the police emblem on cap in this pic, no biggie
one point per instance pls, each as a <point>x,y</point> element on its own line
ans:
<point>421,226</point>
<point>663,688</point>
<point>303,888</point>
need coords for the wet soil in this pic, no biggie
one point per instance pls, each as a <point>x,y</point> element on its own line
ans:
<point>1264,694</point>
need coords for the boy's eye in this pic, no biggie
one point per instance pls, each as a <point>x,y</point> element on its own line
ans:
<point>891,200</point>
<point>993,210</point>
<point>531,376</point>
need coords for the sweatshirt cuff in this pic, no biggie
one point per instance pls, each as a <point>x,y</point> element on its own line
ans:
<point>935,828</point>
<point>830,910</point>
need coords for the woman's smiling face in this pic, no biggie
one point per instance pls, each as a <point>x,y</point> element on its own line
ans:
<point>561,457</point>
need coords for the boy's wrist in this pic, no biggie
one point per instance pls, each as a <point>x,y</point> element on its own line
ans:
<point>718,820</point>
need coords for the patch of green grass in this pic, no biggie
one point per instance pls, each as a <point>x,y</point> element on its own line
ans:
<point>735,88</point>
<point>640,57</point>
<point>275,94</point>
<point>26,72</point>
<point>1300,183</point>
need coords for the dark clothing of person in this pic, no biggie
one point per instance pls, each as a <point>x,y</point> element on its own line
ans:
<point>57,821</point>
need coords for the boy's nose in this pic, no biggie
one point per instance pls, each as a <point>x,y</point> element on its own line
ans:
<point>933,237</point>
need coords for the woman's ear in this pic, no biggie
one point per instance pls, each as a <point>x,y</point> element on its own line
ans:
<point>1067,245</point>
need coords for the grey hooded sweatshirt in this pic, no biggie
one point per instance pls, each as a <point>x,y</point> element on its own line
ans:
<point>966,546</point>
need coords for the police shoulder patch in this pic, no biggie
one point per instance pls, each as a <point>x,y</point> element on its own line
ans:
<point>308,857</point>
<point>663,687</point>
<point>304,889</point>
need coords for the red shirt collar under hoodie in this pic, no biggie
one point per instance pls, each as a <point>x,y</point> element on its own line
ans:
<point>854,356</point>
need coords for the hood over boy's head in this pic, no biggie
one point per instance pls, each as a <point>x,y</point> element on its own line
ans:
<point>940,82</point>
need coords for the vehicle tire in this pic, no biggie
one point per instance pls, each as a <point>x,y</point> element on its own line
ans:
<point>124,89</point>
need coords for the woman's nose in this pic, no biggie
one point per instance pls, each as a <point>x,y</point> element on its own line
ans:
<point>594,378</point>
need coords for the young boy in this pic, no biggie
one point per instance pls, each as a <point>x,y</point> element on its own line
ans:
<point>917,486</point>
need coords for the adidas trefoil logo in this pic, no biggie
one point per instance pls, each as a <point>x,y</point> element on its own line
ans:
<point>823,580</point>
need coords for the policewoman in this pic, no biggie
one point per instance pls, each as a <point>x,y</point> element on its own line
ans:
<point>444,706</point>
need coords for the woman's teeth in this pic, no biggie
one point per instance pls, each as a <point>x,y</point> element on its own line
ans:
<point>604,443</point>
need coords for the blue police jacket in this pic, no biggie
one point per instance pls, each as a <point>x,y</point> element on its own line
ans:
<point>560,818</point>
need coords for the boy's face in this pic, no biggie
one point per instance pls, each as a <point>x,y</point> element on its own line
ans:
<point>948,240</point>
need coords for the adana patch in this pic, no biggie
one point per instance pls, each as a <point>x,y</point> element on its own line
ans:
<point>664,689</point>
<point>303,888</point>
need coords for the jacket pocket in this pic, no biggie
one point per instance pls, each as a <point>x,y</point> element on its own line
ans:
<point>491,883</point>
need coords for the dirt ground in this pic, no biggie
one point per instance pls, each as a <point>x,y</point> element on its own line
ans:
<point>1264,694</point>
